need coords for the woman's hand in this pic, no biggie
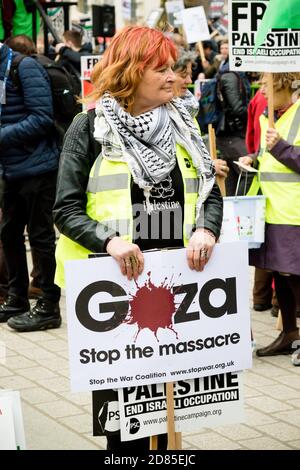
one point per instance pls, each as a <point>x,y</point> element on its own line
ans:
<point>272,138</point>
<point>205,64</point>
<point>221,167</point>
<point>59,46</point>
<point>200,248</point>
<point>246,160</point>
<point>128,255</point>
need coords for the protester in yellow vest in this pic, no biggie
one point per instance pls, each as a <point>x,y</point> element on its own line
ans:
<point>183,73</point>
<point>152,183</point>
<point>279,180</point>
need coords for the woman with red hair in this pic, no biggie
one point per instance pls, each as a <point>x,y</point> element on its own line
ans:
<point>135,173</point>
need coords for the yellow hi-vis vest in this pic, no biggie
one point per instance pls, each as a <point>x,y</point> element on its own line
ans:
<point>109,202</point>
<point>277,182</point>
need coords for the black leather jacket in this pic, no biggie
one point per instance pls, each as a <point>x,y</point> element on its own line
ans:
<point>234,97</point>
<point>78,155</point>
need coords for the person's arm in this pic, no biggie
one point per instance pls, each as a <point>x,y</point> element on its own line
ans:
<point>72,56</point>
<point>232,94</point>
<point>208,229</point>
<point>213,212</point>
<point>249,160</point>
<point>285,153</point>
<point>211,70</point>
<point>221,167</point>
<point>8,10</point>
<point>37,106</point>
<point>69,209</point>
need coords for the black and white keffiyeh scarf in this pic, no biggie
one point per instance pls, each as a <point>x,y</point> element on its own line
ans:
<point>191,103</point>
<point>147,143</point>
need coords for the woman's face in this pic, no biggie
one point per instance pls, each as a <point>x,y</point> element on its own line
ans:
<point>155,88</point>
<point>183,79</point>
<point>282,97</point>
<point>224,51</point>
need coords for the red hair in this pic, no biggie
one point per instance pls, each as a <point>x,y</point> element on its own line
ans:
<point>122,66</point>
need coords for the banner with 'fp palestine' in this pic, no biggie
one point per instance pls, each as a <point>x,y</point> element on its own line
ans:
<point>264,36</point>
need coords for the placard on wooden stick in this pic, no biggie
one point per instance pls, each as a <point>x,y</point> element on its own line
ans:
<point>174,438</point>
<point>213,154</point>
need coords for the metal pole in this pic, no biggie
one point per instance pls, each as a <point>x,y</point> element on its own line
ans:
<point>47,21</point>
<point>133,11</point>
<point>34,32</point>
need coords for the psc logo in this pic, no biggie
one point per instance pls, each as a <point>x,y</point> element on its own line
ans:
<point>133,425</point>
<point>238,61</point>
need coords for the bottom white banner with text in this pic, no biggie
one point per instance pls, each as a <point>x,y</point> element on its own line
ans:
<point>207,401</point>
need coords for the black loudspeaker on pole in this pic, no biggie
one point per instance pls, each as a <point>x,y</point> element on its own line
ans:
<point>104,23</point>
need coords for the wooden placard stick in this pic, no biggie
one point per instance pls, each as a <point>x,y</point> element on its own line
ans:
<point>153,442</point>
<point>270,100</point>
<point>178,440</point>
<point>212,142</point>
<point>279,322</point>
<point>221,184</point>
<point>201,50</point>
<point>174,439</point>
<point>214,33</point>
<point>213,154</point>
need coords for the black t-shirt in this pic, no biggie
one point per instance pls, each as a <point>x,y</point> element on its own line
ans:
<point>163,227</point>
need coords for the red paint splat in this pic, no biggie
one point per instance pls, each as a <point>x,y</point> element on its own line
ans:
<point>152,307</point>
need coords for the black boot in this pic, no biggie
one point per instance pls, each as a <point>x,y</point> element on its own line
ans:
<point>274,311</point>
<point>43,316</point>
<point>282,345</point>
<point>13,306</point>
<point>261,307</point>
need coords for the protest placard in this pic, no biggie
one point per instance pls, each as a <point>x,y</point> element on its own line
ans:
<point>141,411</point>
<point>195,24</point>
<point>11,399</point>
<point>279,44</point>
<point>7,428</point>
<point>174,9</point>
<point>173,323</point>
<point>215,400</point>
<point>87,63</point>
